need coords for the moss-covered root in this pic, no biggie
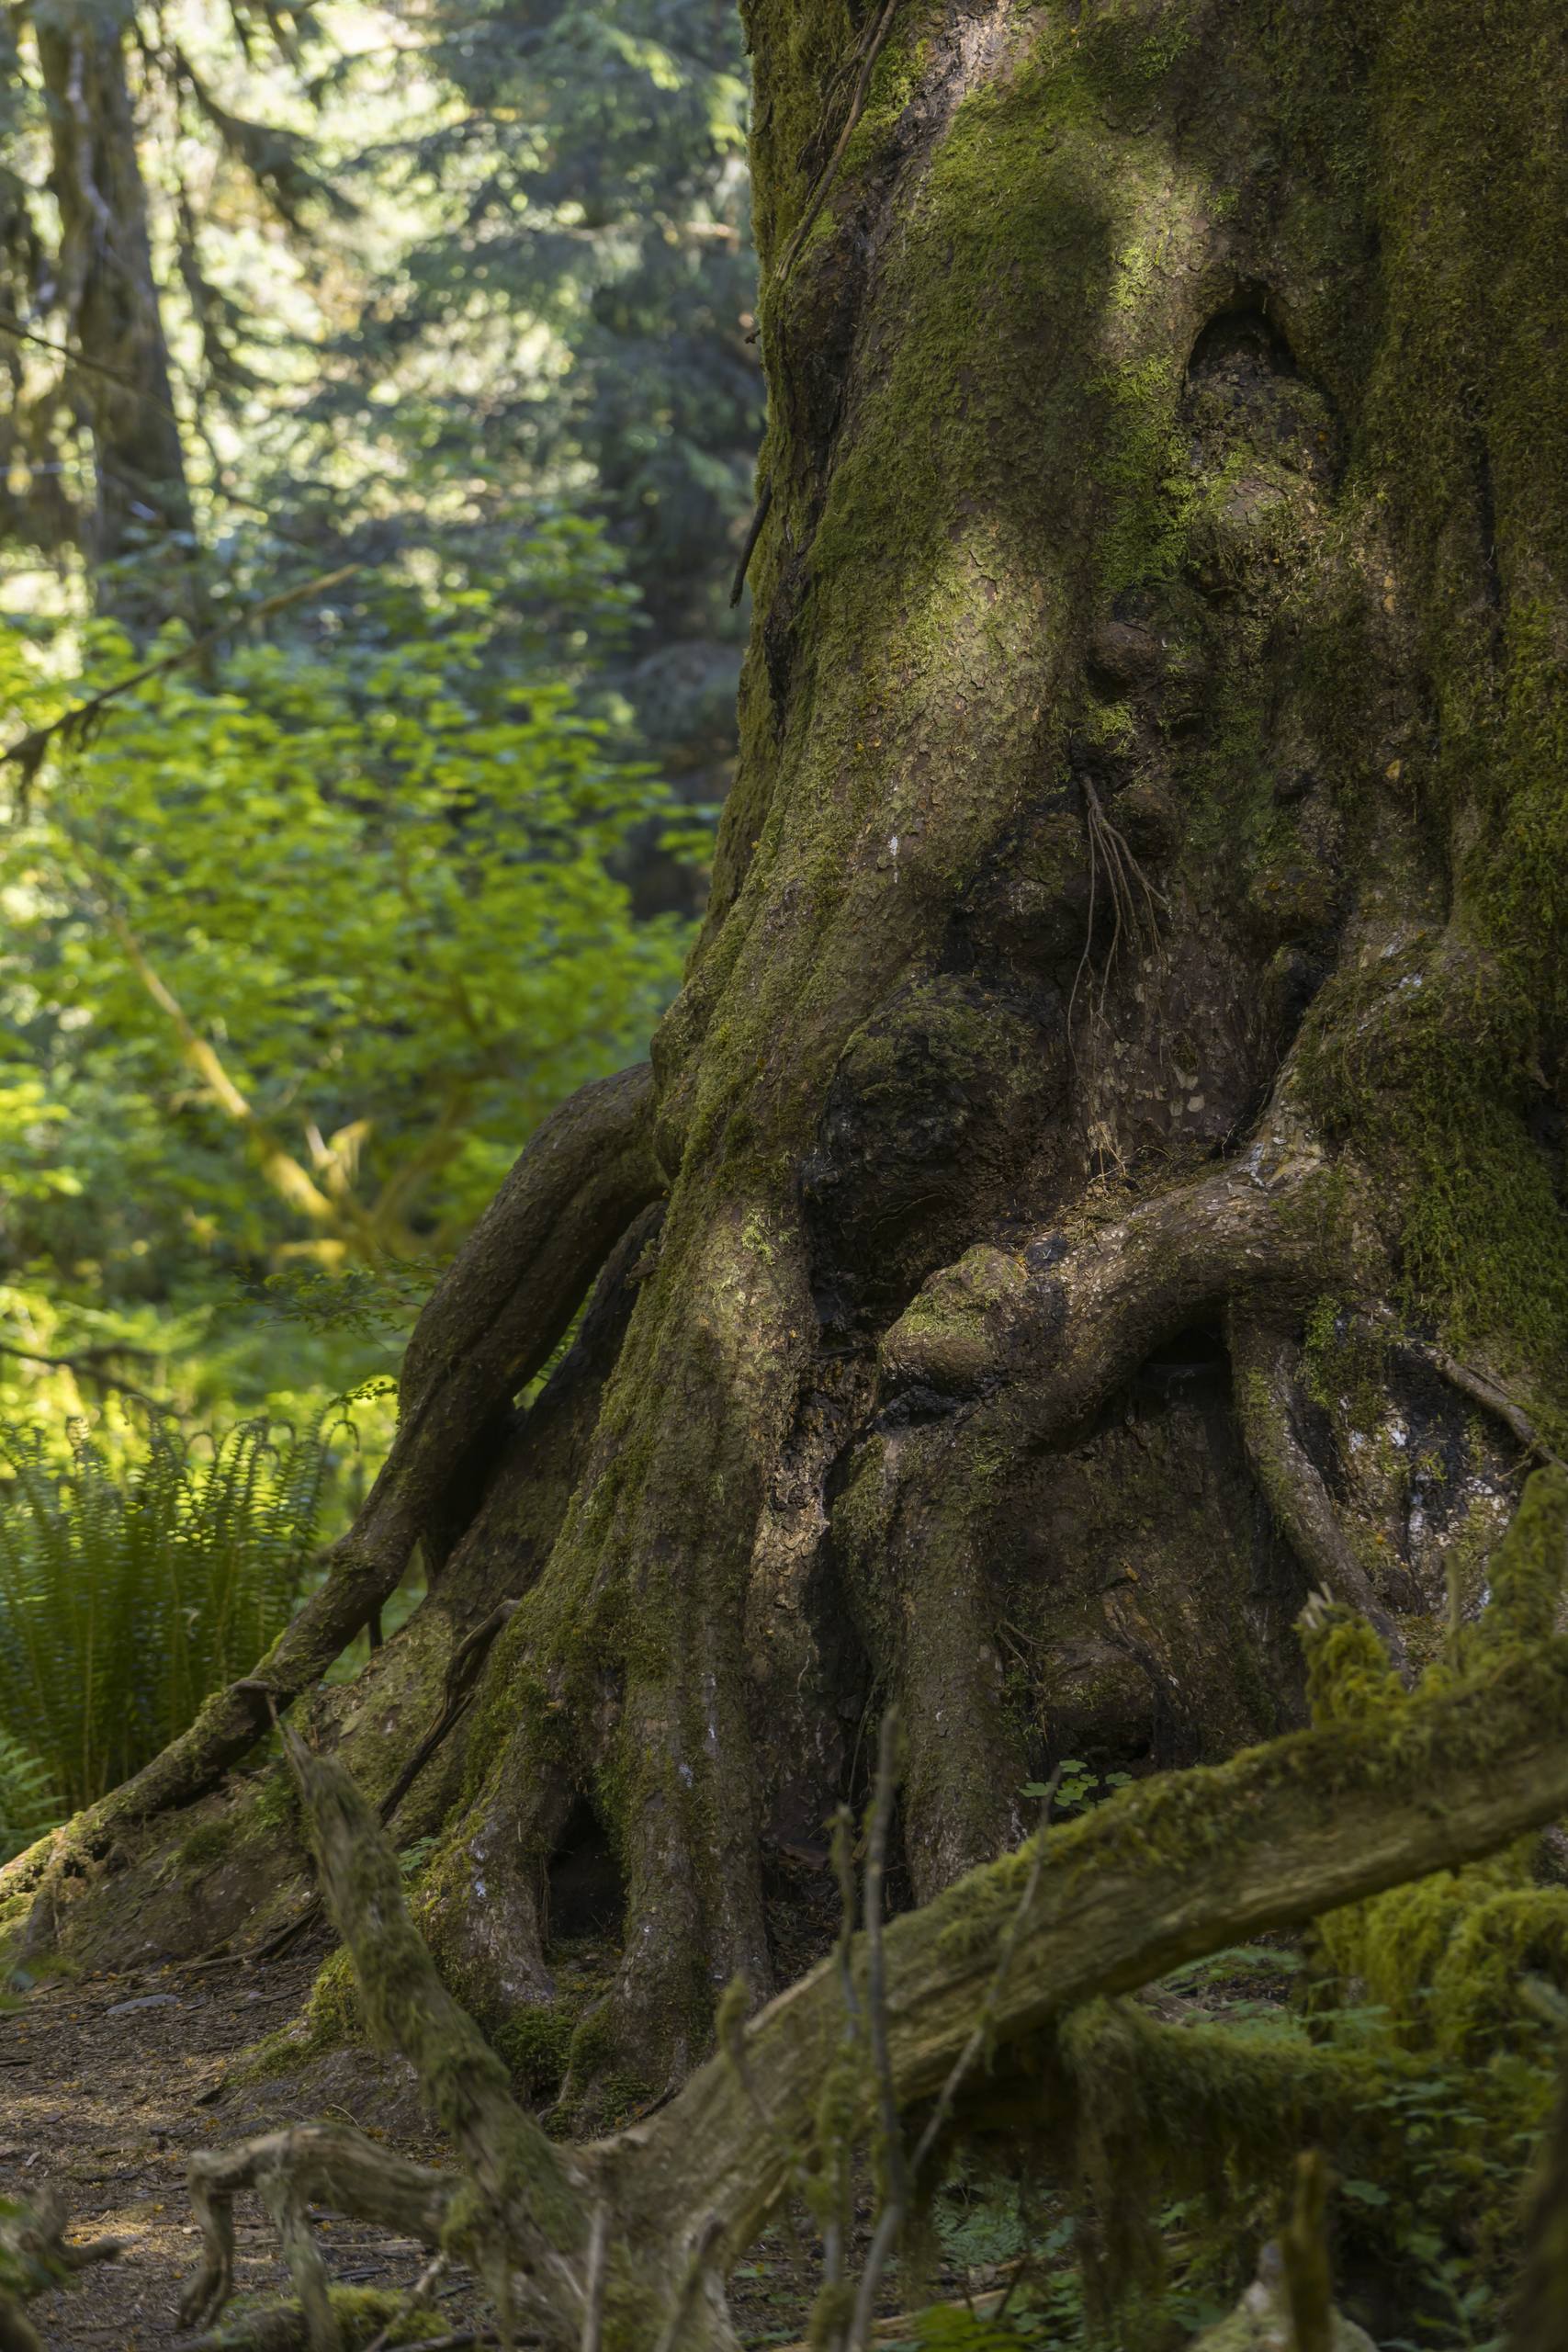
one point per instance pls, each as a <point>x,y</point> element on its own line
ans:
<point>693,1886</point>
<point>361,2316</point>
<point>518,2175</point>
<point>35,2258</point>
<point>1163,1873</point>
<point>1529,1571</point>
<point>492,1323</point>
<point>480,1900</point>
<point>331,2161</point>
<point>1263,1356</point>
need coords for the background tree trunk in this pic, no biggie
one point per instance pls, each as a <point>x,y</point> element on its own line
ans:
<point>1112,1127</point>
<point>142,527</point>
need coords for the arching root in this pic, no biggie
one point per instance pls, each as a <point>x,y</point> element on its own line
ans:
<point>493,1320</point>
<point>1263,1357</point>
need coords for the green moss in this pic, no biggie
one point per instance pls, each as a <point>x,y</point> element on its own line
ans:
<point>1349,1679</point>
<point>206,1845</point>
<point>1429,1062</point>
<point>1529,1571</point>
<point>333,2015</point>
<point>361,2313</point>
<point>1418,1063</point>
<point>274,1805</point>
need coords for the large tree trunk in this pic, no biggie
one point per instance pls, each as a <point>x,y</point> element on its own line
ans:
<point>1111,1130</point>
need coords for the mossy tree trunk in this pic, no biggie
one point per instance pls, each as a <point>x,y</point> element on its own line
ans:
<point>1102,1175</point>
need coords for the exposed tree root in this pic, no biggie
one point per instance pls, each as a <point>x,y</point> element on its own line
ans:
<point>1263,1357</point>
<point>1009,1353</point>
<point>34,2257</point>
<point>1064,1321</point>
<point>324,2161</point>
<point>491,1325</point>
<point>463,1669</point>
<point>1161,1876</point>
<point>1466,1381</point>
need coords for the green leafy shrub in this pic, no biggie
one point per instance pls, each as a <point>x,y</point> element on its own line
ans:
<point>131,1588</point>
<point>295,963</point>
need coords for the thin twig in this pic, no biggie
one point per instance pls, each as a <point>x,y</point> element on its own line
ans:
<point>702,2246</point>
<point>895,2204</point>
<point>20,334</point>
<point>598,2268</point>
<point>83,1367</point>
<point>974,2048</point>
<point>30,747</point>
<point>830,171</point>
<point>760,516</point>
<point>418,2293</point>
<point>1109,850</point>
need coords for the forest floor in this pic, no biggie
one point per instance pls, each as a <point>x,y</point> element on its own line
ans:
<point>109,2085</point>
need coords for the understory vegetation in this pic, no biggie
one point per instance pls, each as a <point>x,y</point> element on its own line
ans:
<point>134,1581</point>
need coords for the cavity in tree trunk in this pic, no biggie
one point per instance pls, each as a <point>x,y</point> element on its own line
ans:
<point>1102,1176</point>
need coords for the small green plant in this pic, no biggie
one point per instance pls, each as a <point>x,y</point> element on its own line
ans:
<point>130,1589</point>
<point>1076,1788</point>
<point>29,1804</point>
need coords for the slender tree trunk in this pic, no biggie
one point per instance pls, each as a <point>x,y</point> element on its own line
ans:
<point>1112,1129</point>
<point>142,545</point>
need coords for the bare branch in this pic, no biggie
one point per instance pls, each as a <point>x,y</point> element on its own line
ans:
<point>598,2270</point>
<point>1309,2281</point>
<point>332,2163</point>
<point>84,1367</point>
<point>72,724</point>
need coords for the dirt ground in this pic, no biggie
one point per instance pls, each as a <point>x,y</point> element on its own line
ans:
<point>109,2083</point>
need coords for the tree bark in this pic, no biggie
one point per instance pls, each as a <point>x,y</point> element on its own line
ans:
<point>143,533</point>
<point>1159,1876</point>
<point>1132,978</point>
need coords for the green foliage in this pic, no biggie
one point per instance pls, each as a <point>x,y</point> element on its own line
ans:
<point>1076,1788</point>
<point>376,885</point>
<point>29,1804</point>
<point>582,260</point>
<point>128,1592</point>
